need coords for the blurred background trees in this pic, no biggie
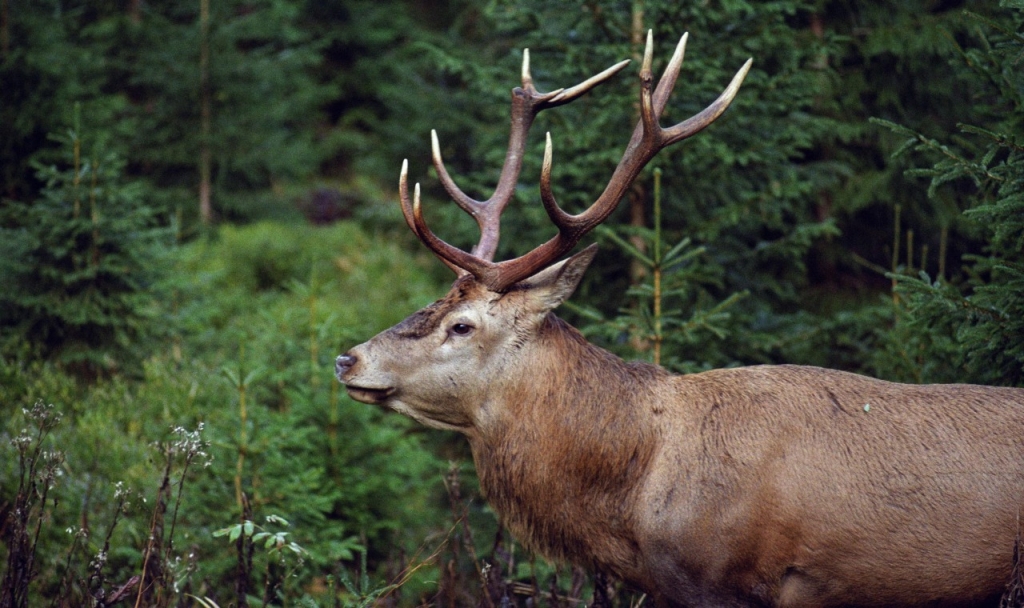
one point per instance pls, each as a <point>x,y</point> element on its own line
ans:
<point>197,212</point>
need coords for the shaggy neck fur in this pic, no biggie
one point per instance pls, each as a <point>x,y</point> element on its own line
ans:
<point>561,465</point>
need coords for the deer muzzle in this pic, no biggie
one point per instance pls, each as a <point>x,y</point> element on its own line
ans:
<point>343,367</point>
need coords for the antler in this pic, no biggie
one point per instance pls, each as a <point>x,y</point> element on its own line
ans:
<point>647,140</point>
<point>527,102</point>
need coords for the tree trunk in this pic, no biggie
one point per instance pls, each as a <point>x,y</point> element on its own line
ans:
<point>637,193</point>
<point>5,28</point>
<point>205,208</point>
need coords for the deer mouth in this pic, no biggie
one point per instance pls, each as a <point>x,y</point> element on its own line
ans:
<point>369,395</point>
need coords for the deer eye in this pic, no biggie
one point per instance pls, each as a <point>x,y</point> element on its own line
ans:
<point>461,329</point>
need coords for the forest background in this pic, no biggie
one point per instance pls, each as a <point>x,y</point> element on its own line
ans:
<point>199,213</point>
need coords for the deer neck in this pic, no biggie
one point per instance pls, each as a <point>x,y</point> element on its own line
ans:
<point>562,461</point>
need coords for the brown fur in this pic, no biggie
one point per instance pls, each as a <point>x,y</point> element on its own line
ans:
<point>758,486</point>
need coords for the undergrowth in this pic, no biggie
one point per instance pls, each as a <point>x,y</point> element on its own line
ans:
<point>235,471</point>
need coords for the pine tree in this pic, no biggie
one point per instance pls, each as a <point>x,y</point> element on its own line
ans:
<point>225,103</point>
<point>971,328</point>
<point>78,265</point>
<point>251,111</point>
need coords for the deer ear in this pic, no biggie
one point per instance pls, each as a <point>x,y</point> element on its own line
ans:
<point>553,285</point>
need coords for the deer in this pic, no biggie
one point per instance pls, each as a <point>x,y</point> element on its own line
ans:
<point>768,485</point>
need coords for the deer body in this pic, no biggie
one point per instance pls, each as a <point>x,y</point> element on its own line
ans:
<point>760,486</point>
<point>797,496</point>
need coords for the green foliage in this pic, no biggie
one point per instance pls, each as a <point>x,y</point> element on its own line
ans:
<point>779,235</point>
<point>36,475</point>
<point>386,63</point>
<point>263,98</point>
<point>78,265</point>
<point>300,450</point>
<point>975,326</point>
<point>88,534</point>
<point>672,286</point>
<point>46,68</point>
<point>275,341</point>
<point>362,593</point>
<point>247,536</point>
<point>137,74</point>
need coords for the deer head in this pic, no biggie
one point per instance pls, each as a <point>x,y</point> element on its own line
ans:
<point>464,343</point>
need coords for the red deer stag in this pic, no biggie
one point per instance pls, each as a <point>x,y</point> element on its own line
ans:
<point>761,486</point>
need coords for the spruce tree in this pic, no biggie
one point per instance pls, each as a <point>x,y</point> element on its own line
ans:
<point>970,327</point>
<point>79,264</point>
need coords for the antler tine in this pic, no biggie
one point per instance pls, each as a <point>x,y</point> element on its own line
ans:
<point>403,196</point>
<point>525,75</point>
<point>564,96</point>
<point>414,217</point>
<point>669,76</point>
<point>555,212</point>
<point>708,115</point>
<point>456,259</point>
<point>648,139</point>
<point>486,213</point>
<point>467,203</point>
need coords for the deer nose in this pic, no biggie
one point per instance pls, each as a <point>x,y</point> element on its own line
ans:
<point>343,364</point>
